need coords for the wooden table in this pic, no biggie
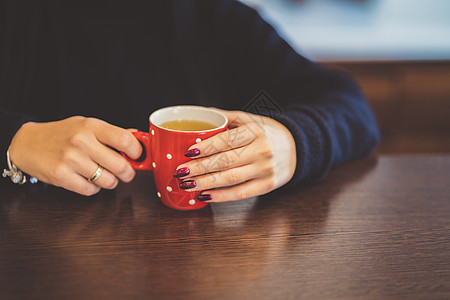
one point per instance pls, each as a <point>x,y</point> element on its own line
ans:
<point>376,228</point>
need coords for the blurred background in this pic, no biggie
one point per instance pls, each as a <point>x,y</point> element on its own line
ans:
<point>397,50</point>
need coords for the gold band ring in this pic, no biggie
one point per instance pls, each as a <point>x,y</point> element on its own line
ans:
<point>96,174</point>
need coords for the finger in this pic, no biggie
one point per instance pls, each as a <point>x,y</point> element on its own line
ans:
<point>119,139</point>
<point>221,179</point>
<point>78,184</point>
<point>97,152</point>
<point>242,191</point>
<point>106,180</point>
<point>224,161</point>
<point>112,161</point>
<point>230,139</point>
<point>259,150</point>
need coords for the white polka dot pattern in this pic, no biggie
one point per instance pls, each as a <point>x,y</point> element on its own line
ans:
<point>169,188</point>
<point>169,156</point>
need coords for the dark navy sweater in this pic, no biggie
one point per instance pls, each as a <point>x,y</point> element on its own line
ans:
<point>119,61</point>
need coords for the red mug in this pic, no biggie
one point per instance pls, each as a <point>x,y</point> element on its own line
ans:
<point>165,148</point>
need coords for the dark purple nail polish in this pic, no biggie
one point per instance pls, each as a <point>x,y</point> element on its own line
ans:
<point>181,172</point>
<point>192,152</point>
<point>188,184</point>
<point>204,197</point>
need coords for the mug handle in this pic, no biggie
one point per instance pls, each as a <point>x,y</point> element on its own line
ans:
<point>144,138</point>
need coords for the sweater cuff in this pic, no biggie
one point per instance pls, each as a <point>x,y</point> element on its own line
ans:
<point>312,146</point>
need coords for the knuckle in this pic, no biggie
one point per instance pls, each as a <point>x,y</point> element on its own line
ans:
<point>224,161</point>
<point>256,128</point>
<point>265,150</point>
<point>58,174</point>
<point>261,133</point>
<point>78,118</point>
<point>78,140</point>
<point>74,119</point>
<point>111,183</point>
<point>90,191</point>
<point>271,185</point>
<point>268,153</point>
<point>125,139</point>
<point>233,177</point>
<point>90,122</point>
<point>122,167</point>
<point>242,194</point>
<point>27,125</point>
<point>251,132</point>
<point>269,171</point>
<point>231,138</point>
<point>259,130</point>
<point>202,168</point>
<point>129,176</point>
<point>69,156</point>
<point>202,165</point>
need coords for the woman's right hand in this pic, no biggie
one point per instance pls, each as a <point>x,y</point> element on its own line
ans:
<point>65,153</point>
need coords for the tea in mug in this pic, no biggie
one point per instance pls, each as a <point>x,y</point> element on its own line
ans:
<point>188,125</point>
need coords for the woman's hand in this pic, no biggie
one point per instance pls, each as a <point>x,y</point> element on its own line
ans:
<point>255,156</point>
<point>65,153</point>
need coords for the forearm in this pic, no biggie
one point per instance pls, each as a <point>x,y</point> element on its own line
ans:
<point>323,109</point>
<point>338,128</point>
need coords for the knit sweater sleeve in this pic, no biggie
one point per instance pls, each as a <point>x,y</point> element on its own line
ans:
<point>324,110</point>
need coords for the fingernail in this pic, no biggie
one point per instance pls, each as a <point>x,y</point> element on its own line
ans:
<point>181,172</point>
<point>188,184</point>
<point>204,197</point>
<point>192,152</point>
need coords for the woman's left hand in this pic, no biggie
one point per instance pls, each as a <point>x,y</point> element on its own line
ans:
<point>255,156</point>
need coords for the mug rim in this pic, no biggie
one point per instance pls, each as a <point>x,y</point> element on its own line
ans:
<point>198,107</point>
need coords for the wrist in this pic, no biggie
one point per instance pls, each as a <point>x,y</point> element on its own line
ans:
<point>12,170</point>
<point>289,138</point>
<point>16,175</point>
<point>21,143</point>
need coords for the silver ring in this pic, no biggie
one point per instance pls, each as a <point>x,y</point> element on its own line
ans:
<point>96,174</point>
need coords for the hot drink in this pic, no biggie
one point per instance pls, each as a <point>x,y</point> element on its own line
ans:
<point>188,125</point>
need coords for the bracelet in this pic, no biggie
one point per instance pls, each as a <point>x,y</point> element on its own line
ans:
<point>16,175</point>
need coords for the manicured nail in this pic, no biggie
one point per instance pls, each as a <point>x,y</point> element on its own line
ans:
<point>192,152</point>
<point>204,197</point>
<point>181,172</point>
<point>188,184</point>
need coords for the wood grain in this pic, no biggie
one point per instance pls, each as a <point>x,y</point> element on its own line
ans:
<point>377,228</point>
